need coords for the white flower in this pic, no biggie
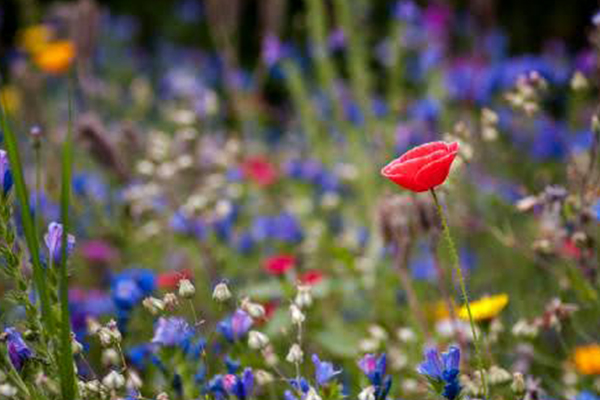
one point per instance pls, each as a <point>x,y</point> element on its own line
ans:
<point>312,395</point>
<point>367,393</point>
<point>304,296</point>
<point>297,315</point>
<point>221,292</point>
<point>255,310</point>
<point>153,305</point>
<point>186,289</point>
<point>8,390</point>
<point>295,354</point>
<point>257,340</point>
<point>114,380</point>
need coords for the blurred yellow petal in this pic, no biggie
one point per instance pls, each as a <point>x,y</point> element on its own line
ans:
<point>587,359</point>
<point>485,308</point>
<point>56,57</point>
<point>34,38</point>
<point>11,99</point>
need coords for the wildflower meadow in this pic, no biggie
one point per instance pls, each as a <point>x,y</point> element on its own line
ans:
<point>299,200</point>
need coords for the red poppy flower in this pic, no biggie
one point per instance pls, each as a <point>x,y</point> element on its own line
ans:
<point>279,264</point>
<point>259,170</point>
<point>423,167</point>
<point>311,277</point>
<point>170,280</point>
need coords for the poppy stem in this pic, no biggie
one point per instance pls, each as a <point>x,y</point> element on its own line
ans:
<point>463,287</point>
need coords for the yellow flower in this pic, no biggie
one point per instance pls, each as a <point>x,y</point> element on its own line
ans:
<point>11,99</point>
<point>587,359</point>
<point>56,57</point>
<point>34,38</point>
<point>485,308</point>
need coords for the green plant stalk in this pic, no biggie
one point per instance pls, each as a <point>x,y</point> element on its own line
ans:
<point>12,149</point>
<point>463,288</point>
<point>67,376</point>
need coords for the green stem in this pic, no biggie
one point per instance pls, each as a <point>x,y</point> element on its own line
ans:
<point>463,288</point>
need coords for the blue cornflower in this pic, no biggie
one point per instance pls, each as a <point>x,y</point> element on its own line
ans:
<point>18,351</point>
<point>235,326</point>
<point>585,395</point>
<point>6,178</point>
<point>374,368</point>
<point>324,371</point>
<point>442,372</point>
<point>172,331</point>
<point>131,286</point>
<point>53,240</point>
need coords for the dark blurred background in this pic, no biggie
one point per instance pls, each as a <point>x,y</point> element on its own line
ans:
<point>529,24</point>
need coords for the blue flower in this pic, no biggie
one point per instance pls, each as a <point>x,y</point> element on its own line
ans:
<point>596,210</point>
<point>6,178</point>
<point>18,351</point>
<point>235,326</point>
<point>172,331</point>
<point>587,396</point>
<point>374,368</point>
<point>131,286</point>
<point>53,240</point>
<point>324,371</point>
<point>443,370</point>
<point>239,386</point>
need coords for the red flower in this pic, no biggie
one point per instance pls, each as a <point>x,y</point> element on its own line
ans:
<point>170,280</point>
<point>311,277</point>
<point>280,264</point>
<point>423,167</point>
<point>259,170</point>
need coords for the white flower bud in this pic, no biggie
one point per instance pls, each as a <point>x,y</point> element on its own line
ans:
<point>378,333</point>
<point>406,335</point>
<point>295,354</point>
<point>110,357</point>
<point>162,396</point>
<point>153,305</point>
<point>171,301</point>
<point>255,310</point>
<point>518,383</point>
<point>498,376</point>
<point>105,337</point>
<point>8,390</point>
<point>134,382</point>
<point>367,393</point>
<point>93,326</point>
<point>257,340</point>
<point>304,296</point>
<point>114,380</point>
<point>93,386</point>
<point>221,293</point>
<point>263,377</point>
<point>186,289</point>
<point>312,395</point>
<point>76,347</point>
<point>297,315</point>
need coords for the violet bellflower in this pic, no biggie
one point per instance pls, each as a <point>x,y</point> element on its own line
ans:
<point>172,331</point>
<point>324,370</point>
<point>53,240</point>
<point>6,178</point>
<point>235,326</point>
<point>374,367</point>
<point>18,351</point>
<point>442,371</point>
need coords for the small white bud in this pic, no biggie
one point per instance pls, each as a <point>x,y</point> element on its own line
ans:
<point>76,347</point>
<point>297,316</point>
<point>518,383</point>
<point>171,301</point>
<point>221,293</point>
<point>263,377</point>
<point>93,326</point>
<point>186,289</point>
<point>114,380</point>
<point>153,305</point>
<point>406,335</point>
<point>7,390</point>
<point>295,354</point>
<point>110,357</point>
<point>312,395</point>
<point>255,310</point>
<point>367,393</point>
<point>257,340</point>
<point>304,296</point>
<point>162,396</point>
<point>134,382</point>
<point>498,376</point>
<point>378,333</point>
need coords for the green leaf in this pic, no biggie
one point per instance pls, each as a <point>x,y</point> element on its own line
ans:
<point>67,376</point>
<point>29,230</point>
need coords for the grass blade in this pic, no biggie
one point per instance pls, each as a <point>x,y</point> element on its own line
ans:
<point>67,375</point>
<point>12,148</point>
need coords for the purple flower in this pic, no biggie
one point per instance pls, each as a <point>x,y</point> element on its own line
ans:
<point>53,241</point>
<point>172,331</point>
<point>235,326</point>
<point>18,351</point>
<point>324,371</point>
<point>375,368</point>
<point>596,19</point>
<point>272,50</point>
<point>6,178</point>
<point>239,386</point>
<point>443,369</point>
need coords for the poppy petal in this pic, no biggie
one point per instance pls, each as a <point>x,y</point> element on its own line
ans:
<point>436,172</point>
<point>424,150</point>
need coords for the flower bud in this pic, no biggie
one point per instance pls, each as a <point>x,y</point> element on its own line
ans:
<point>257,340</point>
<point>186,289</point>
<point>134,382</point>
<point>110,357</point>
<point>304,296</point>
<point>312,395</point>
<point>295,354</point>
<point>221,293</point>
<point>297,316</point>
<point>498,376</point>
<point>113,380</point>
<point>171,301</point>
<point>162,396</point>
<point>263,377</point>
<point>518,383</point>
<point>7,390</point>
<point>255,310</point>
<point>153,305</point>
<point>367,393</point>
